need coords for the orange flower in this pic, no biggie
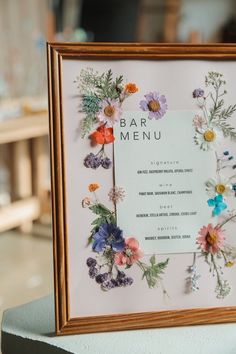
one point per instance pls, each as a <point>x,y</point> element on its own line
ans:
<point>93,187</point>
<point>103,135</point>
<point>131,88</point>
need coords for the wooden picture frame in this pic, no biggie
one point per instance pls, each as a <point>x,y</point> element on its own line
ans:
<point>58,53</point>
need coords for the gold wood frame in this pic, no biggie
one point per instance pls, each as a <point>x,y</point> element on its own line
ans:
<point>62,51</point>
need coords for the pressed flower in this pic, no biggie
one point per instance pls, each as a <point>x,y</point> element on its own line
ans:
<point>220,186</point>
<point>116,194</point>
<point>106,162</point>
<point>93,187</point>
<point>130,254</point>
<point>92,161</point>
<point>86,202</point>
<point>108,235</point>
<point>91,262</point>
<point>218,205</point>
<point>199,121</point>
<point>131,88</point>
<point>110,112</point>
<point>100,159</point>
<point>155,104</point>
<point>208,137</point>
<point>211,239</point>
<point>103,135</point>
<point>198,93</point>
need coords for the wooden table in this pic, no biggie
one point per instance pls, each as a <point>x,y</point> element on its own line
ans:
<point>27,157</point>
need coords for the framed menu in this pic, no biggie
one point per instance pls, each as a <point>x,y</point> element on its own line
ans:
<point>143,141</point>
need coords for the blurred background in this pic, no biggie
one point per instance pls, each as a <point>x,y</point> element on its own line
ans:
<point>25,26</point>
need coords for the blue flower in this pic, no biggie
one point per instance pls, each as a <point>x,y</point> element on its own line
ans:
<point>108,235</point>
<point>218,205</point>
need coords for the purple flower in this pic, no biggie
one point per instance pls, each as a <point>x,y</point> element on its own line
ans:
<point>128,281</point>
<point>92,161</point>
<point>106,163</point>
<point>107,285</point>
<point>120,274</point>
<point>114,283</point>
<point>155,104</point>
<point>100,278</point>
<point>198,93</point>
<point>124,281</point>
<point>93,271</point>
<point>108,235</point>
<point>91,262</point>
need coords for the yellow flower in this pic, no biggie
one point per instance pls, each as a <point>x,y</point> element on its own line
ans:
<point>209,135</point>
<point>229,264</point>
<point>131,88</point>
<point>93,187</point>
<point>220,188</point>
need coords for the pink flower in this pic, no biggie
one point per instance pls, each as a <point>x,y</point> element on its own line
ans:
<point>211,239</point>
<point>199,121</point>
<point>131,253</point>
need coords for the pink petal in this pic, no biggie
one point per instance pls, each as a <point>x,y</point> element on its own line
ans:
<point>132,243</point>
<point>119,258</point>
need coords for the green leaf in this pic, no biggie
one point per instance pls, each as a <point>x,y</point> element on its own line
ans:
<point>215,111</point>
<point>153,271</point>
<point>119,80</point>
<point>100,209</point>
<point>90,240</point>
<point>152,260</point>
<point>111,219</point>
<point>108,78</point>
<point>227,113</point>
<point>87,124</point>
<point>99,221</point>
<point>90,104</point>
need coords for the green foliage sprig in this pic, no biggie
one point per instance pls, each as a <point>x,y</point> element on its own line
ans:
<point>152,273</point>
<point>94,88</point>
<point>217,114</point>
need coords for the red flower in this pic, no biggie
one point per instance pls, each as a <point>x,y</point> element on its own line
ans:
<point>103,135</point>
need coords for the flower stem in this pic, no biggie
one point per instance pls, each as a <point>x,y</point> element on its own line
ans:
<point>101,151</point>
<point>96,198</point>
<point>164,291</point>
<point>141,265</point>
<point>216,270</point>
<point>223,254</point>
<point>226,221</point>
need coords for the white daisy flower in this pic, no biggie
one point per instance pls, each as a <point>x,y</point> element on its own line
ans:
<point>110,112</point>
<point>208,137</point>
<point>221,186</point>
